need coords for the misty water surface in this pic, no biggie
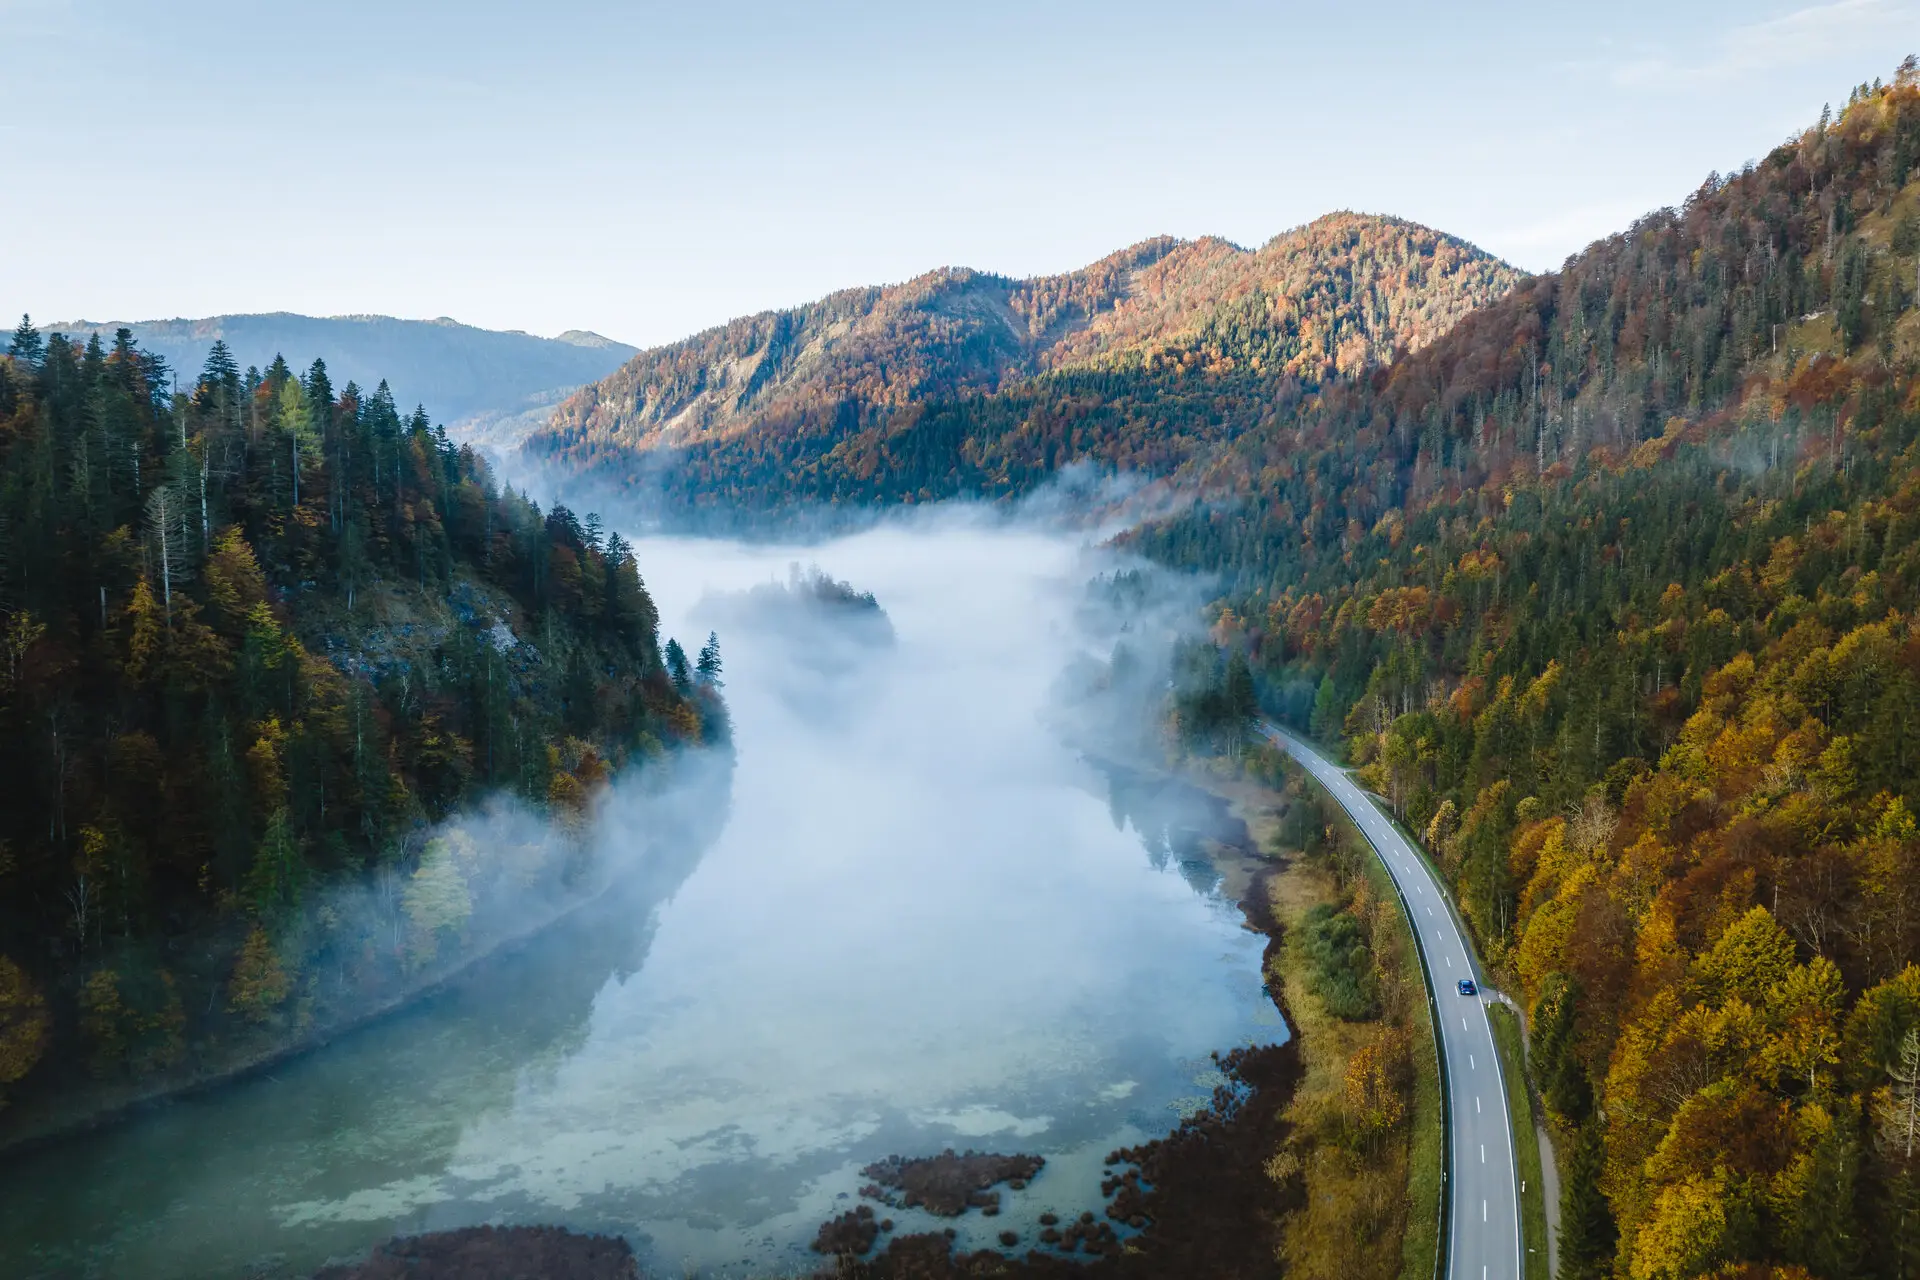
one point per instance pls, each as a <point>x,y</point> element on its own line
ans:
<point>927,922</point>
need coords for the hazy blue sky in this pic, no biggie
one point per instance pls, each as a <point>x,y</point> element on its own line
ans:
<point>648,169</point>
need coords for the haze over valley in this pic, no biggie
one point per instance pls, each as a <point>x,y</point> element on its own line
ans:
<point>1344,756</point>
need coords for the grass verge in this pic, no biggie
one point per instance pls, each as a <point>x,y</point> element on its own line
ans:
<point>1420,1246</point>
<point>1360,1195</point>
<point>1526,1144</point>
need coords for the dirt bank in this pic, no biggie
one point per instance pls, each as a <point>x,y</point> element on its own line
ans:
<point>1198,1202</point>
<point>495,1253</point>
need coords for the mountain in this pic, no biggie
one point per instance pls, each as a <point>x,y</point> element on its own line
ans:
<point>831,401</point>
<point>1610,591</point>
<point>263,643</point>
<point>478,381</point>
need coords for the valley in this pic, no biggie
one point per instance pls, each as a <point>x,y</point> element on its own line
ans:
<point>943,780</point>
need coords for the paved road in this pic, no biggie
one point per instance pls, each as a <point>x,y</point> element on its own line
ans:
<point>1484,1224</point>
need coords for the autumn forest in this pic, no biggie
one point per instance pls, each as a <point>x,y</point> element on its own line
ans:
<point>1603,581</point>
<point>261,636</point>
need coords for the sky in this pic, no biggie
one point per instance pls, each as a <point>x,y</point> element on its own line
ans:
<point>645,170</point>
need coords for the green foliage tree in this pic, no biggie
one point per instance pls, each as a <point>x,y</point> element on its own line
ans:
<point>1587,1232</point>
<point>1341,963</point>
<point>707,667</point>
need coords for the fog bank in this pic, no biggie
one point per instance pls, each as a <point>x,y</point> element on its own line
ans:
<point>927,921</point>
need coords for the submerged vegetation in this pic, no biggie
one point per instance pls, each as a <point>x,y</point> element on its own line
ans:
<point>262,637</point>
<point>1365,1137</point>
<point>1606,580</point>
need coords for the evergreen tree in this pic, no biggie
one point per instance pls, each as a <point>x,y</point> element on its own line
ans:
<point>677,667</point>
<point>200,716</point>
<point>1587,1231</point>
<point>707,668</point>
<point>27,346</point>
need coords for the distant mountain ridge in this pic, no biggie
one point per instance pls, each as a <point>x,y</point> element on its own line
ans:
<point>1335,297</point>
<point>461,373</point>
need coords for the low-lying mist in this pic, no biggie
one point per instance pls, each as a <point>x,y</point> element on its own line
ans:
<point>924,923</point>
<point>927,920</point>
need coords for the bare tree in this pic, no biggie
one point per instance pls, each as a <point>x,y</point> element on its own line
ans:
<point>80,900</point>
<point>169,534</point>
<point>1899,1112</point>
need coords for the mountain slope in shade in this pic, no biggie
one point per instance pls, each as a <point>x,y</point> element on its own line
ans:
<point>460,373</point>
<point>1334,297</point>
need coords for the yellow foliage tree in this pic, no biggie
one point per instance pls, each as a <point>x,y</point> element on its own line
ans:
<point>1805,1011</point>
<point>235,583</point>
<point>1750,959</point>
<point>436,900</point>
<point>259,984</point>
<point>23,1024</point>
<point>1688,1233</point>
<point>1376,1083</point>
<point>148,634</point>
<point>103,1021</point>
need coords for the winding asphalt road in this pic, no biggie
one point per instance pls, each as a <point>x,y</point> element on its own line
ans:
<point>1483,1234</point>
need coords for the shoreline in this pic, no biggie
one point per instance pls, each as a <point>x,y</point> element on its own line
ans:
<point>1211,1208</point>
<point>96,1105</point>
<point>88,1116</point>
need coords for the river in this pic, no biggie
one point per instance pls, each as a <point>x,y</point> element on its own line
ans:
<point>927,922</point>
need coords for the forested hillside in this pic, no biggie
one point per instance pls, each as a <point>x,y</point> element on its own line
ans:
<point>961,383</point>
<point>1611,591</point>
<point>458,372</point>
<point>255,640</point>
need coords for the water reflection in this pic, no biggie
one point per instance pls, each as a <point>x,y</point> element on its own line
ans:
<point>922,926</point>
<point>1180,825</point>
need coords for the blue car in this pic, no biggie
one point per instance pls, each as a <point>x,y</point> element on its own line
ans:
<point>1466,986</point>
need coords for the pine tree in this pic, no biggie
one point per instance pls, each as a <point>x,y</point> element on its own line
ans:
<point>1556,1067</point>
<point>1587,1231</point>
<point>708,666</point>
<point>677,667</point>
<point>1325,722</point>
<point>27,347</point>
<point>220,370</point>
<point>157,596</point>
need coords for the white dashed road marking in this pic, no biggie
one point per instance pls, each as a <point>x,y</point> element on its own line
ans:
<point>1407,866</point>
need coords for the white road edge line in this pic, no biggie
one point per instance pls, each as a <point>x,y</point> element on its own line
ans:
<point>1372,826</point>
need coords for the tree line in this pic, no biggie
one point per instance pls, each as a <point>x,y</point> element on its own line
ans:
<point>1610,593</point>
<point>258,636</point>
